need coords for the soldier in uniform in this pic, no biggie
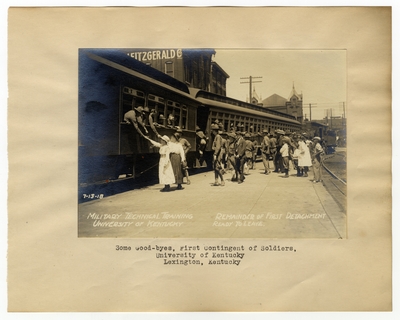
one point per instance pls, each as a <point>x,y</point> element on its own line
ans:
<point>278,157</point>
<point>255,150</point>
<point>231,155</point>
<point>201,143</point>
<point>284,151</point>
<point>316,158</point>
<point>217,146</point>
<point>265,151</point>
<point>186,147</point>
<point>248,152</point>
<point>272,147</point>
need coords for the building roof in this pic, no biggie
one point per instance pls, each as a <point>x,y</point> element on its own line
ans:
<point>218,67</point>
<point>294,93</point>
<point>274,101</point>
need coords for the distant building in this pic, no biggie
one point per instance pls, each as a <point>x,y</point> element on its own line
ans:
<point>191,66</point>
<point>292,106</point>
<point>255,98</point>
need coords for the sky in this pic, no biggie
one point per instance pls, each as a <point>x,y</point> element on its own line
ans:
<point>320,75</point>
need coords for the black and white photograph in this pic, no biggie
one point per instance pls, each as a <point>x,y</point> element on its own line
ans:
<point>214,143</point>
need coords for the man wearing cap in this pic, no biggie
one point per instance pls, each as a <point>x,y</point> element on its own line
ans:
<point>240,149</point>
<point>248,152</point>
<point>135,117</point>
<point>284,151</point>
<point>265,151</point>
<point>278,157</point>
<point>201,143</point>
<point>316,158</point>
<point>231,155</point>
<point>217,146</point>
<point>139,117</point>
<point>186,147</point>
<point>178,158</point>
<point>171,121</point>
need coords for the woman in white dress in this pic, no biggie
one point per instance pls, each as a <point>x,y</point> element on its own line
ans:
<point>304,157</point>
<point>165,173</point>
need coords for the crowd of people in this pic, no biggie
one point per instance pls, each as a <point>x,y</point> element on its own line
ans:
<point>233,151</point>
<point>236,152</point>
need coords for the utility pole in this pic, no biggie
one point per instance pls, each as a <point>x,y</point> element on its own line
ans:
<point>344,111</point>
<point>250,86</point>
<point>311,105</point>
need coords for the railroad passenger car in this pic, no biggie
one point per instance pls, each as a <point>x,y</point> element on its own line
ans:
<point>113,150</point>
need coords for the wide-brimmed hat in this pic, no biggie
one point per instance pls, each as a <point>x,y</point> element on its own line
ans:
<point>165,138</point>
<point>247,135</point>
<point>214,127</point>
<point>286,139</point>
<point>146,109</point>
<point>265,131</point>
<point>161,116</point>
<point>316,138</point>
<point>279,131</point>
<point>232,135</point>
<point>178,130</point>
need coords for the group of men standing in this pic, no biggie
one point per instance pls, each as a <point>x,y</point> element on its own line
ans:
<point>237,152</point>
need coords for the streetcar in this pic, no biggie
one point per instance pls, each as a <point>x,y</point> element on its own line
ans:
<point>114,149</point>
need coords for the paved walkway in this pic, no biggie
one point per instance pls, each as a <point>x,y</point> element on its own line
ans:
<point>264,206</point>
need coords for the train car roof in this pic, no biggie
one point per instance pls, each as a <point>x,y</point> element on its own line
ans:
<point>120,58</point>
<point>209,98</point>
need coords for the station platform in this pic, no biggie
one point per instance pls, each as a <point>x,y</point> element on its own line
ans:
<point>264,206</point>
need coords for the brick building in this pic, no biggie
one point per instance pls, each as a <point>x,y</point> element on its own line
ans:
<point>191,66</point>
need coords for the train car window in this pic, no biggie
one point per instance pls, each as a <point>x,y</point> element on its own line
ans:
<point>183,124</point>
<point>226,125</point>
<point>173,113</point>
<point>158,105</point>
<point>131,98</point>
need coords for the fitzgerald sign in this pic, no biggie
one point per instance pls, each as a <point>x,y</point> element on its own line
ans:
<point>156,55</point>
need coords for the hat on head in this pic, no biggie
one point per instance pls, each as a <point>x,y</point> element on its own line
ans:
<point>140,109</point>
<point>286,139</point>
<point>247,135</point>
<point>214,127</point>
<point>146,109</point>
<point>161,117</point>
<point>176,135</point>
<point>165,138</point>
<point>198,128</point>
<point>232,135</point>
<point>279,131</point>
<point>265,131</point>
<point>316,138</point>
<point>179,130</point>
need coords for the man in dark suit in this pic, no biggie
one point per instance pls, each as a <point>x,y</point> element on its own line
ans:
<point>240,156</point>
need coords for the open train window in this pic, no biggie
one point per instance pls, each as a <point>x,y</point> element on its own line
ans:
<point>158,105</point>
<point>173,114</point>
<point>131,98</point>
<point>183,124</point>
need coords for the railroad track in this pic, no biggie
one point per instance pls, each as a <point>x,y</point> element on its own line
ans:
<point>335,179</point>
